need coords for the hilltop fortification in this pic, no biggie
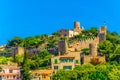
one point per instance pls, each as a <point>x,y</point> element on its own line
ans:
<point>71,54</point>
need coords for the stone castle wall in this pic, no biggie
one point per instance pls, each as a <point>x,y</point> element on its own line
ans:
<point>93,49</point>
<point>82,44</point>
<point>62,46</point>
<point>88,59</point>
<point>73,50</point>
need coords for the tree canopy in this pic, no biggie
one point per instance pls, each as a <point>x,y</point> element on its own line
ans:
<point>90,72</point>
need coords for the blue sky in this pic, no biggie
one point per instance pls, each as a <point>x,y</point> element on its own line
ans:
<point>34,17</point>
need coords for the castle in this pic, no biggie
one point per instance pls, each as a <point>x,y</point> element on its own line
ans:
<point>71,33</point>
<point>71,54</point>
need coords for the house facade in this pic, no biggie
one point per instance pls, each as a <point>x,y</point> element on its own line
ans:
<point>66,62</point>
<point>10,72</point>
<point>44,74</point>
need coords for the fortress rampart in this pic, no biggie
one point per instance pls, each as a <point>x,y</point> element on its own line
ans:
<point>82,44</point>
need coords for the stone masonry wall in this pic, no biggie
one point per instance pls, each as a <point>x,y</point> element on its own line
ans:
<point>82,44</point>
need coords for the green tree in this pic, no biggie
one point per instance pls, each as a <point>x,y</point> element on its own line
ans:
<point>90,72</point>
<point>16,41</point>
<point>45,57</point>
<point>84,72</point>
<point>25,58</point>
<point>0,69</point>
<point>114,34</point>
<point>113,37</point>
<point>117,49</point>
<point>61,75</point>
<point>106,48</point>
<point>86,51</point>
<point>3,60</point>
<point>26,71</point>
<point>19,58</point>
<point>56,34</point>
<point>43,54</point>
<point>114,72</point>
<point>25,68</point>
<point>10,59</point>
<point>44,37</point>
<point>115,57</point>
<point>41,60</point>
<point>94,31</point>
<point>31,42</point>
<point>100,73</point>
<point>72,75</point>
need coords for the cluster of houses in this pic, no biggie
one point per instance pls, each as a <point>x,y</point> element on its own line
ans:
<point>69,55</point>
<point>10,71</point>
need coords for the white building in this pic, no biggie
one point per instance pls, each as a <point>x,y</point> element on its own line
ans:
<point>10,72</point>
<point>71,33</point>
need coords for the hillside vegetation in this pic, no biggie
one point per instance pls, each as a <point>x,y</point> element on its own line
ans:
<point>110,48</point>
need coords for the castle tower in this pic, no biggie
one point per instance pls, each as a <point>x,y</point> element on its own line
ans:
<point>102,33</point>
<point>76,25</point>
<point>62,47</point>
<point>93,49</point>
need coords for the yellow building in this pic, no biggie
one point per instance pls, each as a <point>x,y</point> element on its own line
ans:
<point>41,74</point>
<point>67,61</point>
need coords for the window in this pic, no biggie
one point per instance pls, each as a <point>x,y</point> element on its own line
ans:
<point>7,77</point>
<point>67,67</point>
<point>66,60</point>
<point>63,60</point>
<point>44,76</point>
<point>55,61</point>
<point>71,60</point>
<point>13,77</point>
<point>36,74</point>
<point>3,71</point>
<point>10,71</point>
<point>55,67</point>
<point>65,34</point>
<point>76,61</point>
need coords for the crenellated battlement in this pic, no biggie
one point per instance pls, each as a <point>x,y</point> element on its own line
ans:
<point>96,39</point>
<point>82,44</point>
